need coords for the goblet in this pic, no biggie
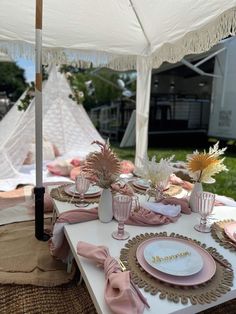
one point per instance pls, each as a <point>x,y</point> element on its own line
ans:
<point>81,185</point>
<point>205,203</point>
<point>160,188</point>
<point>121,211</point>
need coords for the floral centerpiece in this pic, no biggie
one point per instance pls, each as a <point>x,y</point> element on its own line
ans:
<point>103,168</point>
<point>203,166</point>
<point>156,173</point>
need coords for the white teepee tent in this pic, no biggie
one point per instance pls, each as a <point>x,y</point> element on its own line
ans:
<point>65,124</point>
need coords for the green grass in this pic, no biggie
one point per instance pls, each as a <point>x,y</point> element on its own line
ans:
<point>225,181</point>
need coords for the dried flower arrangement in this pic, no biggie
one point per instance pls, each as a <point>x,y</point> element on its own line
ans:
<point>202,166</point>
<point>155,172</point>
<point>102,167</point>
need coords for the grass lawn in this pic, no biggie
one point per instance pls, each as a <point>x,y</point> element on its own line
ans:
<point>225,181</point>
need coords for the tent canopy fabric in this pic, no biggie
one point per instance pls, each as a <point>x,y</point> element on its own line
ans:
<point>122,35</point>
<point>65,124</point>
<point>113,33</point>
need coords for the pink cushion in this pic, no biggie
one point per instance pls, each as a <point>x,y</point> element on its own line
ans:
<point>76,162</point>
<point>74,172</point>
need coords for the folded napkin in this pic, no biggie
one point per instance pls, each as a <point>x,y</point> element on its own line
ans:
<point>183,202</point>
<point>122,188</point>
<point>224,200</point>
<point>178,181</point>
<point>58,244</point>
<point>121,295</point>
<point>167,210</point>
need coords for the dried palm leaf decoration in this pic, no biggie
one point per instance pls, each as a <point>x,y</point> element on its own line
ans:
<point>102,167</point>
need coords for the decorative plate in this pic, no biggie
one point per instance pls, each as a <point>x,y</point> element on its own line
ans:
<point>173,258</point>
<point>93,191</point>
<point>206,273</point>
<point>230,230</point>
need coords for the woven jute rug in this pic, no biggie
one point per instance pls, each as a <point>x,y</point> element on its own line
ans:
<point>69,299</point>
<point>26,299</point>
<point>25,260</point>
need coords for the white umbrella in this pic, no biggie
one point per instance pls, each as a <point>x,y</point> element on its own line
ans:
<point>124,34</point>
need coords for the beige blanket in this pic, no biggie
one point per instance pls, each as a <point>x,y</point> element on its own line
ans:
<point>25,260</point>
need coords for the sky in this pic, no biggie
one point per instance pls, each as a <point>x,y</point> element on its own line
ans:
<point>29,67</point>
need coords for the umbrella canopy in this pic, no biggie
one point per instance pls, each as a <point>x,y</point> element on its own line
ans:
<point>113,33</point>
<point>124,34</point>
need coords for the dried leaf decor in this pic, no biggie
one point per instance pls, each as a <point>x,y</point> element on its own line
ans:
<point>102,167</point>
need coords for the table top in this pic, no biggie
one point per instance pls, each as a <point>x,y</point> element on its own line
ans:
<point>99,233</point>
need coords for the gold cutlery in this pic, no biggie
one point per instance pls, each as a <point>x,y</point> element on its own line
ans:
<point>122,266</point>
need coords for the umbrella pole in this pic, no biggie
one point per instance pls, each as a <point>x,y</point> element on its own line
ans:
<point>39,190</point>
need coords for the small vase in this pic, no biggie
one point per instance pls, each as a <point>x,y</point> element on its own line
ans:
<point>192,199</point>
<point>105,210</point>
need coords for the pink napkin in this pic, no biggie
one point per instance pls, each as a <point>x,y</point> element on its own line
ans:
<point>121,295</point>
<point>122,189</point>
<point>183,202</point>
<point>58,244</point>
<point>145,217</point>
<point>178,181</point>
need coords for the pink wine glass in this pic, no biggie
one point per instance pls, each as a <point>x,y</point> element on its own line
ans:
<point>81,185</point>
<point>205,203</point>
<point>121,211</point>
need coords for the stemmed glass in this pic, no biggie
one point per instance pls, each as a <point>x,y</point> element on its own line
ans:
<point>81,186</point>
<point>160,188</point>
<point>205,203</point>
<point>121,211</point>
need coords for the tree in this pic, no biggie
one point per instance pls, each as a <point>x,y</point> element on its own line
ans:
<point>103,81</point>
<point>12,80</point>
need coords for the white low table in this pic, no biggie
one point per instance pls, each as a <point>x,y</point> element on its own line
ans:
<point>99,233</point>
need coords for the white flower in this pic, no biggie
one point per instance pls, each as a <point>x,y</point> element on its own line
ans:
<point>155,172</point>
<point>203,166</point>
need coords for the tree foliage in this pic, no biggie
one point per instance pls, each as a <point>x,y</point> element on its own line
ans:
<point>104,88</point>
<point>12,80</point>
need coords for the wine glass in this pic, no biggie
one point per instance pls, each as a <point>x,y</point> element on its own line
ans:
<point>160,188</point>
<point>121,211</point>
<point>205,203</point>
<point>81,186</point>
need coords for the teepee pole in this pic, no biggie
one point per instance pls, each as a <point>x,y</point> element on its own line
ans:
<point>39,190</point>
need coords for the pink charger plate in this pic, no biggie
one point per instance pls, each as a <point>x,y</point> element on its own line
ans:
<point>87,195</point>
<point>206,273</point>
<point>230,230</point>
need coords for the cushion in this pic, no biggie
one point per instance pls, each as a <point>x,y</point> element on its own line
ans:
<point>75,172</point>
<point>60,167</point>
